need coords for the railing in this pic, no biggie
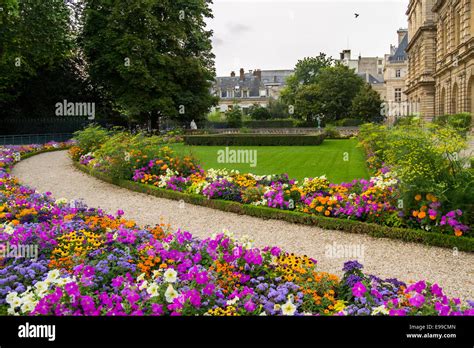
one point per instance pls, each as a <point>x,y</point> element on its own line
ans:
<point>26,139</point>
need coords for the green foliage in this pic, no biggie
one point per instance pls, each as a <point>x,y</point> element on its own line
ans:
<point>153,58</point>
<point>331,132</point>
<point>331,96</point>
<point>462,122</point>
<point>34,35</point>
<point>258,112</point>
<point>366,105</point>
<point>91,138</point>
<point>306,73</point>
<point>254,140</point>
<point>215,116</point>
<point>426,159</point>
<point>278,109</point>
<point>349,122</point>
<point>234,117</point>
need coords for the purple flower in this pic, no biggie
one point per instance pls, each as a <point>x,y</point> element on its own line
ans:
<point>417,300</point>
<point>359,289</point>
<point>249,306</point>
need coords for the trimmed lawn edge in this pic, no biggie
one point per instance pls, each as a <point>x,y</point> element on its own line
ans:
<point>350,226</point>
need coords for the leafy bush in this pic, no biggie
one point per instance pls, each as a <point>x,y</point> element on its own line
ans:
<point>275,123</point>
<point>90,138</point>
<point>331,132</point>
<point>462,122</point>
<point>258,112</point>
<point>254,140</point>
<point>234,117</point>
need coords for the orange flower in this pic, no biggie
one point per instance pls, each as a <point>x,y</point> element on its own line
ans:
<point>432,217</point>
<point>418,197</point>
<point>421,215</point>
<point>458,233</point>
<point>415,213</point>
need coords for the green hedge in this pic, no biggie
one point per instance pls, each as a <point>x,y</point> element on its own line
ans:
<point>350,226</point>
<point>254,139</point>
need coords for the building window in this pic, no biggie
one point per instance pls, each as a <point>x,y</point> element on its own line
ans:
<point>380,71</point>
<point>246,94</point>
<point>380,61</point>
<point>398,73</point>
<point>398,95</point>
<point>223,94</point>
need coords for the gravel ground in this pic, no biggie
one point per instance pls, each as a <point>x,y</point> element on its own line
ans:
<point>453,270</point>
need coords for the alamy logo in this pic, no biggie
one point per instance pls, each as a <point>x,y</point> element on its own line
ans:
<point>75,109</point>
<point>345,251</point>
<point>37,331</point>
<point>19,251</point>
<point>237,156</point>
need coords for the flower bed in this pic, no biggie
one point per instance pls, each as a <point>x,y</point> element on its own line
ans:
<point>377,200</point>
<point>94,263</point>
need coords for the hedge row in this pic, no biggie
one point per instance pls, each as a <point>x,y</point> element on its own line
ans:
<point>350,226</point>
<point>254,139</point>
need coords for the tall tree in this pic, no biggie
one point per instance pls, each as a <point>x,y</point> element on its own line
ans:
<point>152,57</point>
<point>306,73</point>
<point>331,95</point>
<point>34,36</point>
<point>367,104</point>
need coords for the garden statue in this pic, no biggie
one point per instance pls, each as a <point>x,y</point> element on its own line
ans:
<point>193,125</point>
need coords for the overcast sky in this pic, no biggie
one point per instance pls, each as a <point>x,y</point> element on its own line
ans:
<point>274,34</point>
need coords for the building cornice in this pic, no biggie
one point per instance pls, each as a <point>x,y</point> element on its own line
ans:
<point>427,27</point>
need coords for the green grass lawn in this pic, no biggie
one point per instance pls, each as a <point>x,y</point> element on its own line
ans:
<point>298,161</point>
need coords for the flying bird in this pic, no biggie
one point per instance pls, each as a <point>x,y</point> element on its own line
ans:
<point>356,15</point>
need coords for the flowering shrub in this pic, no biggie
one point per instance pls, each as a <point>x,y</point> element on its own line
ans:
<point>93,263</point>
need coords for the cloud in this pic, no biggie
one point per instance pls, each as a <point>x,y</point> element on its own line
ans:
<point>217,41</point>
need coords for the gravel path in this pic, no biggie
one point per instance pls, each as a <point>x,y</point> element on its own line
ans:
<point>454,271</point>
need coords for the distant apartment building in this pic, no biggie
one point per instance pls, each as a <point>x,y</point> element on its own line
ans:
<point>369,68</point>
<point>249,88</point>
<point>441,56</point>
<point>395,74</point>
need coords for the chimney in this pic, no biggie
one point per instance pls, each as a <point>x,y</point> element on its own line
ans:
<point>232,74</point>
<point>347,54</point>
<point>401,34</point>
<point>258,74</point>
<point>242,74</point>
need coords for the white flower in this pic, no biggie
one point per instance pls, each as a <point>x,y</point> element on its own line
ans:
<point>263,314</point>
<point>61,201</point>
<point>153,290</point>
<point>170,294</point>
<point>170,275</point>
<point>288,308</point>
<point>11,311</point>
<point>166,246</point>
<point>156,274</point>
<point>115,236</point>
<point>380,309</point>
<point>41,287</point>
<point>11,296</point>
<point>232,302</point>
<point>28,307</point>
<point>8,229</point>
<point>16,302</point>
<point>276,307</point>
<point>143,285</point>
<point>141,277</point>
<point>53,275</point>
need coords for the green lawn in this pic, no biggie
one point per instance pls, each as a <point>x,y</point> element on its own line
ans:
<point>298,161</point>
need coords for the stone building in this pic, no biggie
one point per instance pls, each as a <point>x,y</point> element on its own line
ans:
<point>369,68</point>
<point>395,73</point>
<point>249,88</point>
<point>454,76</point>
<point>440,56</point>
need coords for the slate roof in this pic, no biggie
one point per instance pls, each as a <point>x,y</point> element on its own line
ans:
<point>370,78</point>
<point>400,54</point>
